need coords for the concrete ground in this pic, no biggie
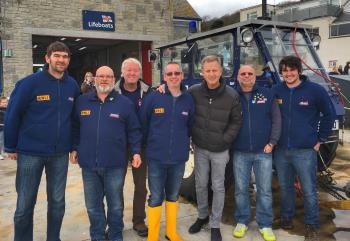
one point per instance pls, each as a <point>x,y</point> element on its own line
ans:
<point>335,225</point>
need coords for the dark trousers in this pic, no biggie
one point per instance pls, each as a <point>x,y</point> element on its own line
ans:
<point>140,191</point>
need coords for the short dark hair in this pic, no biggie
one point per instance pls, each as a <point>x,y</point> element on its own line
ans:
<point>57,47</point>
<point>292,62</point>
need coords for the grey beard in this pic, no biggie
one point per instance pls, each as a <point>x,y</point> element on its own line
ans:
<point>104,90</point>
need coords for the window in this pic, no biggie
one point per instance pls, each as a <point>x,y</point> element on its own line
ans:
<point>220,45</point>
<point>337,30</point>
<point>252,15</point>
<point>173,54</point>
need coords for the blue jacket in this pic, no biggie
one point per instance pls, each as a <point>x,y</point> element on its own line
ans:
<point>300,109</point>
<point>102,130</point>
<point>256,126</point>
<point>166,124</point>
<point>38,117</point>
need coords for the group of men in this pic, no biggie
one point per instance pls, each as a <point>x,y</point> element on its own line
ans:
<point>104,129</point>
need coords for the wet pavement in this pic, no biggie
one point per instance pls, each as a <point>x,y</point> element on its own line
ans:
<point>335,224</point>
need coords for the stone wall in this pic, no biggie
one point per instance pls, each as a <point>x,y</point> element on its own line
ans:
<point>21,18</point>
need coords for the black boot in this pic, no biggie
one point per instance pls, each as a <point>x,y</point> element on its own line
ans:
<point>215,234</point>
<point>311,233</point>
<point>197,226</point>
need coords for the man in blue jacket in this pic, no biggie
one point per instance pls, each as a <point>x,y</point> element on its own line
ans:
<point>260,131</point>
<point>307,120</point>
<point>38,134</point>
<point>131,86</point>
<point>105,123</point>
<point>166,121</point>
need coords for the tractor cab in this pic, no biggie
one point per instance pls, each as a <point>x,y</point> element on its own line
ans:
<point>262,44</point>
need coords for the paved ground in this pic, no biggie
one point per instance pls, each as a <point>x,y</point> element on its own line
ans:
<point>335,224</point>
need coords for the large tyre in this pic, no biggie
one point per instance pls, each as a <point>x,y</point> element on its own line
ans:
<point>188,188</point>
<point>328,151</point>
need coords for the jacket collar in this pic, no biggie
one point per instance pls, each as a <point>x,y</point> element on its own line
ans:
<point>182,88</point>
<point>240,91</point>
<point>220,89</point>
<point>141,86</point>
<point>112,96</point>
<point>303,78</point>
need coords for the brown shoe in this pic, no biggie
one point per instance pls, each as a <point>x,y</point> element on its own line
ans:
<point>141,229</point>
<point>311,233</point>
<point>286,224</point>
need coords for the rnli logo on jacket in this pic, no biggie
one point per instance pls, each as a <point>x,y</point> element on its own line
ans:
<point>259,99</point>
<point>85,112</point>
<point>159,110</point>
<point>115,116</point>
<point>71,99</point>
<point>185,113</point>
<point>279,101</point>
<point>304,103</point>
<point>43,98</point>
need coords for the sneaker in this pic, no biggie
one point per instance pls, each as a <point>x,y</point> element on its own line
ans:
<point>2,157</point>
<point>311,233</point>
<point>215,234</point>
<point>240,230</point>
<point>267,234</point>
<point>197,226</point>
<point>286,223</point>
<point>141,229</point>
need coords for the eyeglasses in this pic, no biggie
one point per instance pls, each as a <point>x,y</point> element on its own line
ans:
<point>246,73</point>
<point>105,76</point>
<point>176,73</point>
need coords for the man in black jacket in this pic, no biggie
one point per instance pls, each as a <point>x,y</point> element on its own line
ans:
<point>218,119</point>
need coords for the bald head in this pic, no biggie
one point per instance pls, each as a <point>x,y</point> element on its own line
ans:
<point>104,80</point>
<point>246,77</point>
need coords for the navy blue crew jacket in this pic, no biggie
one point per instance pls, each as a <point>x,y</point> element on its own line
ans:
<point>166,124</point>
<point>256,126</point>
<point>102,130</point>
<point>301,108</point>
<point>39,115</point>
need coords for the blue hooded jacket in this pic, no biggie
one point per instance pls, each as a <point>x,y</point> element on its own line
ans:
<point>301,108</point>
<point>38,117</point>
<point>166,125</point>
<point>256,126</point>
<point>102,130</point>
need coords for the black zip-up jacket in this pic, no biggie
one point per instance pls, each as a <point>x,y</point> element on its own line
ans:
<point>218,116</point>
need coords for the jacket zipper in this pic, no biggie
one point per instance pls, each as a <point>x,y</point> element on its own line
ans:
<point>58,113</point>
<point>290,117</point>
<point>172,127</point>
<point>98,131</point>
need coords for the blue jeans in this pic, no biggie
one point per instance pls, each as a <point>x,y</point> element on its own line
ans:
<point>98,183</point>
<point>29,171</point>
<point>164,180</point>
<point>301,162</point>
<point>243,162</point>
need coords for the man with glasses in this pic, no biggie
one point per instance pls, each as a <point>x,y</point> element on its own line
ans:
<point>38,134</point>
<point>133,87</point>
<point>166,123</point>
<point>105,124</point>
<point>252,149</point>
<point>307,120</point>
<point>217,122</point>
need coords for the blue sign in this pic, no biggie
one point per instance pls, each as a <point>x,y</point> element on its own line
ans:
<point>103,21</point>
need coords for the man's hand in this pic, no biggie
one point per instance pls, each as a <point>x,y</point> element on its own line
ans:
<point>12,156</point>
<point>73,157</point>
<point>161,88</point>
<point>317,146</point>
<point>136,161</point>
<point>268,148</point>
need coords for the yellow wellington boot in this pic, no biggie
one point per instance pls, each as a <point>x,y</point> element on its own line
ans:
<point>154,215</point>
<point>170,221</point>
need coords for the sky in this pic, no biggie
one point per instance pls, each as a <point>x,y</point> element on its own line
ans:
<point>218,8</point>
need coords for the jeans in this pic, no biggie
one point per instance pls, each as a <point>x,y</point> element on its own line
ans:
<point>98,183</point>
<point>301,162</point>
<point>261,162</point>
<point>164,180</point>
<point>206,162</point>
<point>29,171</point>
